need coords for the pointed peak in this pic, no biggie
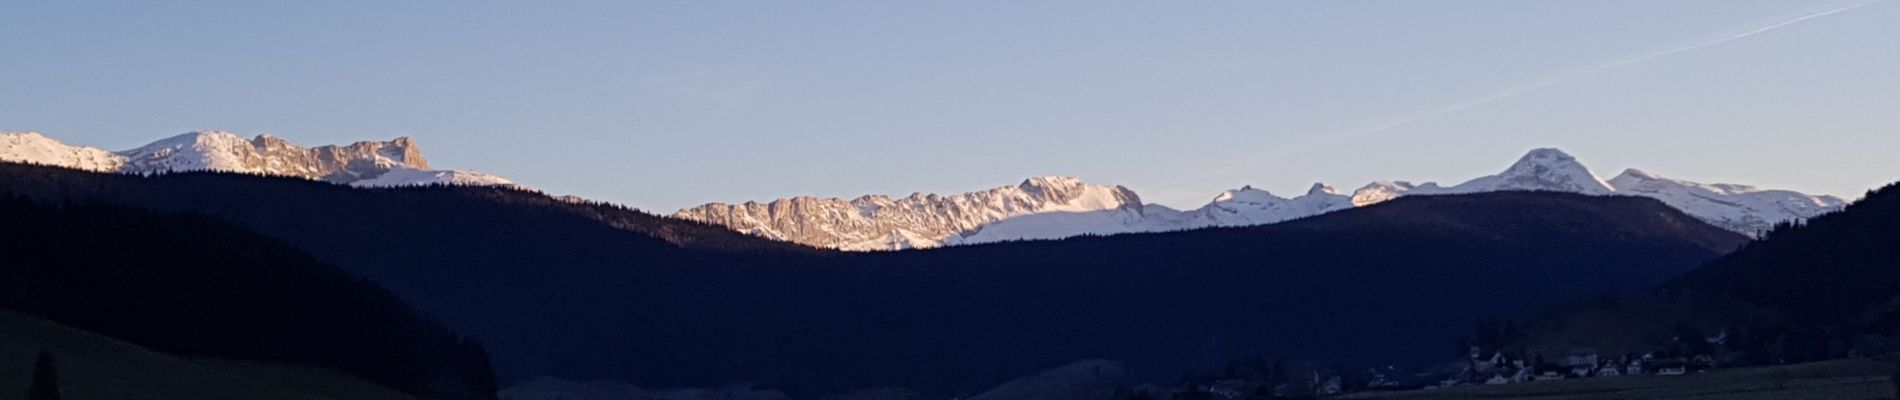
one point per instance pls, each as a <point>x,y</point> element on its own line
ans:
<point>1546,155</point>
<point>1407,185</point>
<point>1540,161</point>
<point>1544,169</point>
<point>1246,194</point>
<point>268,140</point>
<point>1638,174</point>
<point>1051,181</point>
<point>1320,188</point>
<point>1250,189</point>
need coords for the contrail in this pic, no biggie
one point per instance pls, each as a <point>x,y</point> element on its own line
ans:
<point>1513,92</point>
<point>1559,79</point>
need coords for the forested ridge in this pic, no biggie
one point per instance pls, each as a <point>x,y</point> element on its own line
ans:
<point>194,285</point>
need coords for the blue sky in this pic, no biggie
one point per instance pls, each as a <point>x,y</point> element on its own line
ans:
<point>662,105</point>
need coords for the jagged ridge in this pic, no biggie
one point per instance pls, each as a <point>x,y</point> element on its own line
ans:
<point>397,162</point>
<point>922,221</point>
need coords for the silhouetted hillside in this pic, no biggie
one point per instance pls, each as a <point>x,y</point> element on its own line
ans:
<point>197,286</point>
<point>557,292</point>
<point>1834,268</point>
<point>1824,289</point>
<point>96,367</point>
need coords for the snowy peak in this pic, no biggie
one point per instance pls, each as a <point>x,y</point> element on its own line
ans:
<point>920,220</point>
<point>418,177</point>
<point>1321,189</point>
<point>266,154</point>
<point>1068,193</point>
<point>192,151</point>
<point>1250,206</point>
<point>34,148</point>
<point>1545,157</point>
<point>1740,208</point>
<point>1050,181</point>
<point>1247,194</point>
<point>1380,191</point>
<point>1054,207</point>
<point>1635,174</point>
<point>1543,169</point>
<point>396,162</point>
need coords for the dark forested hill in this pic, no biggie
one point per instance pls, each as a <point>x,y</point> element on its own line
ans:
<point>198,286</point>
<point>662,302</point>
<point>1833,268</point>
<point>95,367</point>
<point>1823,289</point>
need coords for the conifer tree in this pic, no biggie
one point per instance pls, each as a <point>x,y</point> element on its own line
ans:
<point>45,384</point>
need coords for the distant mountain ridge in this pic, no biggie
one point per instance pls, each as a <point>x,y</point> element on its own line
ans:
<point>397,162</point>
<point>1066,207</point>
<point>877,222</point>
<point>584,291</point>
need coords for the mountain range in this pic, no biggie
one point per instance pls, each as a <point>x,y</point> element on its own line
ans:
<point>1049,207</point>
<point>397,162</point>
<point>585,291</point>
<point>1055,207</point>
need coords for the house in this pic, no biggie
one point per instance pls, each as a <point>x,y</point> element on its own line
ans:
<point>1332,386</point>
<point>1229,388</point>
<point>1484,365</point>
<point>1524,374</point>
<point>1498,379</point>
<point>1671,367</point>
<point>1581,361</point>
<point>1609,370</point>
<point>1390,377</point>
<point>1581,356</point>
<point>1703,361</point>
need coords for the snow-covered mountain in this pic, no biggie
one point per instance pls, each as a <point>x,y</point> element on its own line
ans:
<point>31,147</point>
<point>1059,207</point>
<point>1740,208</point>
<point>370,163</point>
<point>922,220</point>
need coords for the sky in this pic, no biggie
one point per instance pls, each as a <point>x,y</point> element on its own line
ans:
<point>662,105</point>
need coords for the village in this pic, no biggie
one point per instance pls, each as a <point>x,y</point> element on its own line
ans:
<point>1480,366</point>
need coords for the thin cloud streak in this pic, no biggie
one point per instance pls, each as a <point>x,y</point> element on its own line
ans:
<point>1559,79</point>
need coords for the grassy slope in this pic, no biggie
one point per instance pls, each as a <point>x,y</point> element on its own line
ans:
<point>1850,379</point>
<point>98,367</point>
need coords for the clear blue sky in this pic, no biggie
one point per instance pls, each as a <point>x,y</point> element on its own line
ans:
<point>662,105</point>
